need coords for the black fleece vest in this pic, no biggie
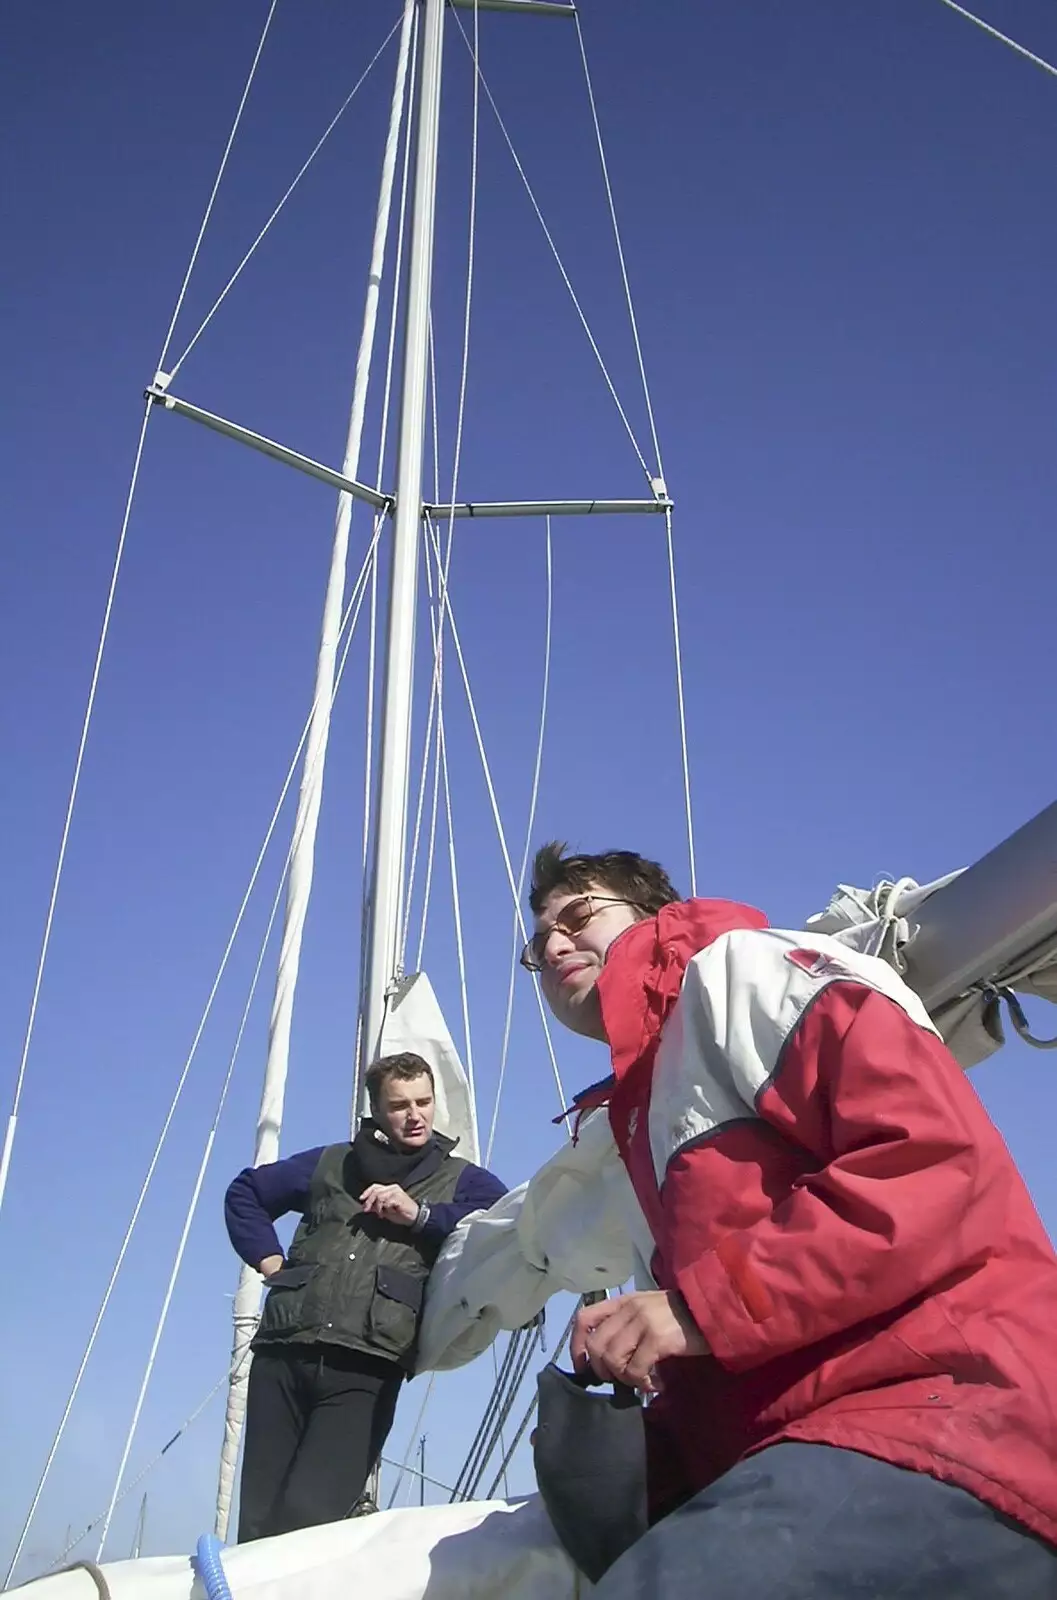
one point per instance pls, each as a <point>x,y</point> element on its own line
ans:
<point>350,1278</point>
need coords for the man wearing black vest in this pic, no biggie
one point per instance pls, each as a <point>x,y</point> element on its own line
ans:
<point>340,1323</point>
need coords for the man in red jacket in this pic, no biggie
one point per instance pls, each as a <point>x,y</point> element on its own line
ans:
<point>851,1353</point>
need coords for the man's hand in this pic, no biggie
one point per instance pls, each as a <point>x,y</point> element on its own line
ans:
<point>623,1339</point>
<point>269,1265</point>
<point>388,1201</point>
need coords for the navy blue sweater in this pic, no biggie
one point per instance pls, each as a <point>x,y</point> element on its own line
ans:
<point>259,1195</point>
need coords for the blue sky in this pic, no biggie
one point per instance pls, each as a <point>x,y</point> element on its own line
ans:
<point>842,251</point>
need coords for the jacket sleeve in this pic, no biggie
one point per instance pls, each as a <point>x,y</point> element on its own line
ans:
<point>904,1186</point>
<point>259,1195</point>
<point>476,1190</point>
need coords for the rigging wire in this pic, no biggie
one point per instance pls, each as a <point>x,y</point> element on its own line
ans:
<point>192,1207</point>
<point>659,483</point>
<point>405,1467</point>
<point>156,1460</point>
<point>680,700</point>
<point>443,576</point>
<point>332,124</point>
<point>352,611</point>
<point>620,247</point>
<point>555,253</point>
<point>511,1373</point>
<point>12,1124</point>
<point>460,950</point>
<point>502,1412</point>
<point>527,1418</point>
<point>144,1472</point>
<point>216,186</point>
<point>523,869</point>
<point>222,1100</point>
<point>496,816</point>
<point>1003,38</point>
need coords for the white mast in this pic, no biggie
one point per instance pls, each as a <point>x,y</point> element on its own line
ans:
<point>302,855</point>
<point>383,899</point>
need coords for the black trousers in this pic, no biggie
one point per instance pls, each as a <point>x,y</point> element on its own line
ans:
<point>317,1417</point>
<point>808,1522</point>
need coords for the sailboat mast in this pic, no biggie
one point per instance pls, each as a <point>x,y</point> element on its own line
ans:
<point>383,900</point>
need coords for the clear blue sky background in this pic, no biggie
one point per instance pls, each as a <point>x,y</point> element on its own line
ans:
<point>841,237</point>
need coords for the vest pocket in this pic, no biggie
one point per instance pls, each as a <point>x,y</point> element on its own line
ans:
<point>290,1277</point>
<point>392,1321</point>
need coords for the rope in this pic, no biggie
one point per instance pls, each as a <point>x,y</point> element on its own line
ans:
<point>352,611</point>
<point>1003,38</point>
<point>216,185</point>
<point>508,1019</point>
<point>496,817</point>
<point>554,252</point>
<point>236,275</point>
<point>1017,1016</point>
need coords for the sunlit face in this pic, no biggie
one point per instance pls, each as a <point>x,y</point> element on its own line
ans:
<point>573,961</point>
<point>405,1110</point>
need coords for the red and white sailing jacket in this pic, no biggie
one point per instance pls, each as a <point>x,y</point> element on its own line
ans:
<point>842,1217</point>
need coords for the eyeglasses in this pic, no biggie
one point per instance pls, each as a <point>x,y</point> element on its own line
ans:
<point>571,920</point>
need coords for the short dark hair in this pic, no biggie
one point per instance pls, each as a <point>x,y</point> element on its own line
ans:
<point>621,872</point>
<point>403,1067</point>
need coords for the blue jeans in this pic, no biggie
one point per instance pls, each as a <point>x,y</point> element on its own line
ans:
<point>808,1522</point>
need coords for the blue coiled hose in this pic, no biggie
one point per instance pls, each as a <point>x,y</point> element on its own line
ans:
<point>211,1567</point>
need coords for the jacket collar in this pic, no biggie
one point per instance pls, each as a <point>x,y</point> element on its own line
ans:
<point>643,975</point>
